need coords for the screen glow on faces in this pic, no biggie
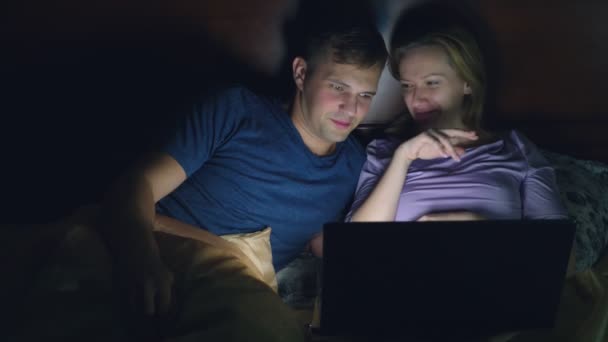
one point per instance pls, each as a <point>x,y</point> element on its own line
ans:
<point>432,90</point>
<point>335,99</point>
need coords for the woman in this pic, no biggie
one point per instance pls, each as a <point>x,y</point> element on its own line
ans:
<point>453,169</point>
<point>450,168</point>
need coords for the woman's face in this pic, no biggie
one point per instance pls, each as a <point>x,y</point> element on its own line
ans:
<point>432,90</point>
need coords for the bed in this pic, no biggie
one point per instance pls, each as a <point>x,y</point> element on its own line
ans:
<point>549,68</point>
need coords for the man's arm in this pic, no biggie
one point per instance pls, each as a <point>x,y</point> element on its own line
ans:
<point>127,219</point>
<point>137,191</point>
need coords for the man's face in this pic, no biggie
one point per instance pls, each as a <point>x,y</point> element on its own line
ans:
<point>332,99</point>
<point>432,90</point>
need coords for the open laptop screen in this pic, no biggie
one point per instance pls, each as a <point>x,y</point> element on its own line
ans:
<point>442,278</point>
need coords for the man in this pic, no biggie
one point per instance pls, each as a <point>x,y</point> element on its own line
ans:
<point>241,163</point>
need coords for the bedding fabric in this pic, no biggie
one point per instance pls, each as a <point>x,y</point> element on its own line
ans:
<point>583,187</point>
<point>216,297</point>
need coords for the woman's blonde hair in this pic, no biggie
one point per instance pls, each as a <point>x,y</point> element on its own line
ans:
<point>464,55</point>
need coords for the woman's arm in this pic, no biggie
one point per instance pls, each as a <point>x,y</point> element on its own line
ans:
<point>381,205</point>
<point>382,202</point>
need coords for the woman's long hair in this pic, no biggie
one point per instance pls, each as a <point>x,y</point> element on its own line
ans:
<point>464,57</point>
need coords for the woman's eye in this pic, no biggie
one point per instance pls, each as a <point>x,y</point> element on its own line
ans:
<point>432,83</point>
<point>406,87</point>
<point>337,87</point>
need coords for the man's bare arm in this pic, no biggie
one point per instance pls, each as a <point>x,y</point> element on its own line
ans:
<point>127,221</point>
<point>132,198</point>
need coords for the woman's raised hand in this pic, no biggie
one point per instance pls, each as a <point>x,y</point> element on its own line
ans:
<point>435,143</point>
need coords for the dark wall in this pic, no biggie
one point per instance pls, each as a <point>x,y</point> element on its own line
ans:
<point>86,88</point>
<point>554,71</point>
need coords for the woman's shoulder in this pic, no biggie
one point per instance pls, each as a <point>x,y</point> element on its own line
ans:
<point>382,147</point>
<point>508,138</point>
<point>520,141</point>
<point>529,150</point>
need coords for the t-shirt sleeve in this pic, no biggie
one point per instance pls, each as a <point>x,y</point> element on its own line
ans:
<point>540,195</point>
<point>378,156</point>
<point>209,125</point>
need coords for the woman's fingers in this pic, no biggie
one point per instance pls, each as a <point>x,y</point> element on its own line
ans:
<point>459,133</point>
<point>429,138</point>
<point>444,141</point>
<point>458,137</point>
<point>435,143</point>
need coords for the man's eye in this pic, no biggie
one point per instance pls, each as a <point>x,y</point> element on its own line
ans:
<point>432,83</point>
<point>366,96</point>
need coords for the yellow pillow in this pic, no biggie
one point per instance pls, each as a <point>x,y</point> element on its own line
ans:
<point>253,249</point>
<point>256,246</point>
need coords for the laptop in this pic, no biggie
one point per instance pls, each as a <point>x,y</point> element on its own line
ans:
<point>442,280</point>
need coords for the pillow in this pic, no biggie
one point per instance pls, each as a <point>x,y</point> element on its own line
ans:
<point>583,187</point>
<point>256,246</point>
<point>253,249</point>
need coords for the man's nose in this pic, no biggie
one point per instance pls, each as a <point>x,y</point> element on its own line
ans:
<point>349,104</point>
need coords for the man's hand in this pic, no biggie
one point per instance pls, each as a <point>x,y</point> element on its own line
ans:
<point>151,285</point>
<point>126,222</point>
<point>452,216</point>
<point>435,143</point>
<point>146,281</point>
<point>316,245</point>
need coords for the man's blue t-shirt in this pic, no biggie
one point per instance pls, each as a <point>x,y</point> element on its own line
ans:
<point>248,168</point>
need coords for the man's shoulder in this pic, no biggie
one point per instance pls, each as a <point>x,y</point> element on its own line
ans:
<point>232,103</point>
<point>236,91</point>
<point>239,101</point>
<point>238,94</point>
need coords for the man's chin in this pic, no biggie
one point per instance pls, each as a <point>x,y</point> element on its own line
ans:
<point>337,135</point>
<point>340,138</point>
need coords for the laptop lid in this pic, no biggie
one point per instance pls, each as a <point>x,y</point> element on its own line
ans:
<point>432,279</point>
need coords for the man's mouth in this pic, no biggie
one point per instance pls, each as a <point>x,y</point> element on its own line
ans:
<point>341,124</point>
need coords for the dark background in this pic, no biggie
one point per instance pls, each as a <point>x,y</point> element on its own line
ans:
<point>83,95</point>
<point>87,87</point>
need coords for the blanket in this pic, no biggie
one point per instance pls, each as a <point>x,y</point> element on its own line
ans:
<point>68,292</point>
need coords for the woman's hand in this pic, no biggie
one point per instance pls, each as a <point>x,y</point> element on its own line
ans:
<point>435,143</point>
<point>452,216</point>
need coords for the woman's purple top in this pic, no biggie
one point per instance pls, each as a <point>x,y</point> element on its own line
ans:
<point>505,179</point>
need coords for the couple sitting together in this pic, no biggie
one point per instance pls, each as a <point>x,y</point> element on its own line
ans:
<point>242,162</point>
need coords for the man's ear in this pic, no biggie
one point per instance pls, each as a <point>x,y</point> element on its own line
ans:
<point>467,89</point>
<point>298,68</point>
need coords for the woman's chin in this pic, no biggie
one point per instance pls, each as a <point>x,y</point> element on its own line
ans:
<point>425,125</point>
